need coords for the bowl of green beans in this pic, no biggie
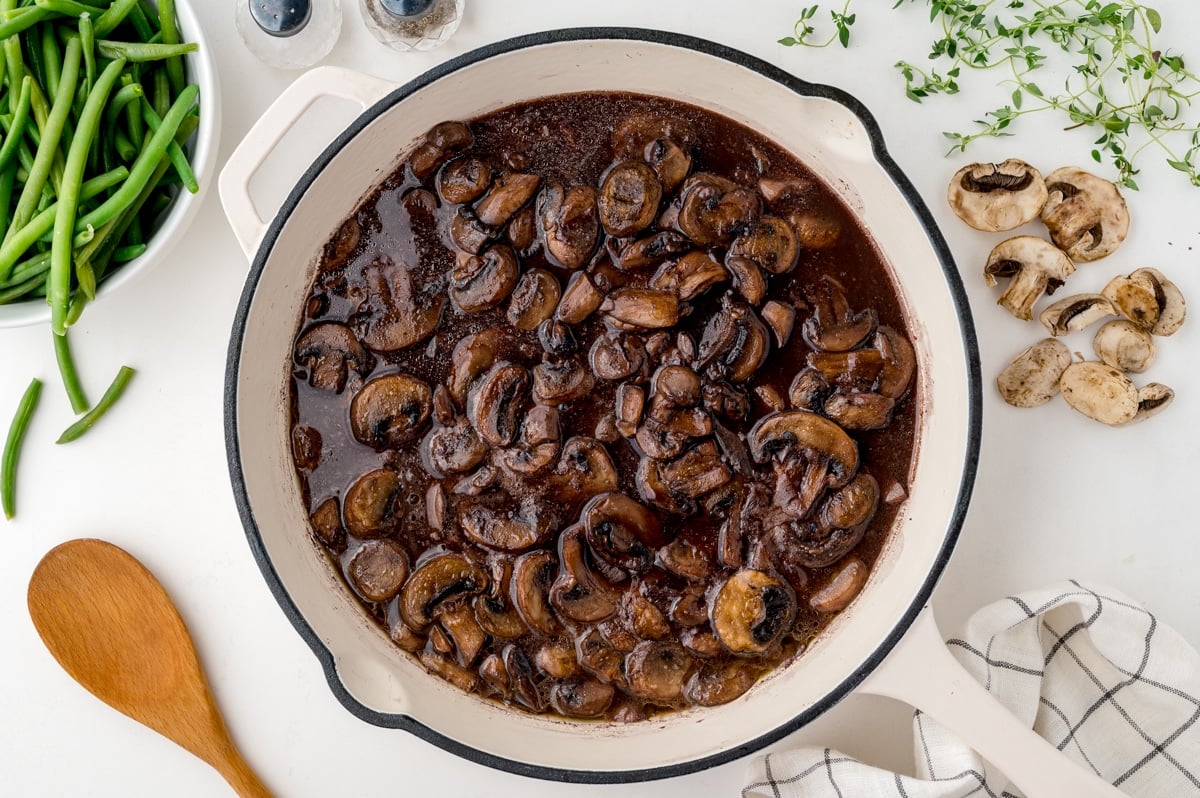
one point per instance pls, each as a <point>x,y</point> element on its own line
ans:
<point>109,115</point>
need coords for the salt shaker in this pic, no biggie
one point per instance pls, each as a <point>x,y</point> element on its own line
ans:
<point>289,34</point>
<point>412,24</point>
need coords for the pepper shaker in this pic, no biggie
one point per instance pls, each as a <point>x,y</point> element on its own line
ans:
<point>289,34</point>
<point>412,24</point>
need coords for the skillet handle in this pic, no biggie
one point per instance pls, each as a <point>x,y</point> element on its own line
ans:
<point>923,673</point>
<point>262,138</point>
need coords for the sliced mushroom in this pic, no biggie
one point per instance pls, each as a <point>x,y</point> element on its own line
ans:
<point>390,411</point>
<point>859,411</point>
<point>834,327</point>
<point>457,620</point>
<point>630,401</point>
<point>748,279</point>
<point>578,593</point>
<point>556,338</point>
<point>464,180</point>
<point>842,588</point>
<point>1125,346</point>
<point>697,472</point>
<point>734,344</point>
<point>622,531</point>
<point>638,131</point>
<point>752,609</point>
<point>997,196</point>
<point>899,362</point>
<point>326,522</point>
<point>828,455</point>
<point>559,382</point>
<point>557,660</point>
<point>642,308</point>
<point>438,579</point>
<point>306,447</point>
<point>809,390</point>
<point>670,162</point>
<point>438,145</point>
<point>770,397</point>
<point>629,198</point>
<point>330,352</point>
<point>1100,392</point>
<point>469,234</point>
<point>599,658</point>
<point>815,230</point>
<point>453,449</point>
<point>653,249</point>
<point>1172,310</point>
<point>522,231</point>
<point>1075,313</point>
<point>402,634</point>
<point>653,489</point>
<point>579,300</point>
<point>1149,300</point>
<point>370,504</point>
<point>780,318</point>
<point>494,674</point>
<point>851,506</point>
<point>857,370</point>
<point>378,570</point>
<point>689,276</point>
<point>701,642</point>
<point>617,356</point>
<point>585,698</point>
<point>584,470</point>
<point>1086,215</point>
<point>657,671</point>
<point>1153,398</point>
<point>533,573</point>
<point>1032,378</point>
<point>684,559</point>
<point>771,243</point>
<point>510,193</point>
<point>395,316</point>
<point>497,402</point>
<point>1036,266</point>
<point>717,683</point>
<point>514,530</point>
<point>533,300</point>
<point>472,356</point>
<point>449,670</point>
<point>570,224</point>
<point>678,385</point>
<point>713,211</point>
<point>498,618</point>
<point>520,677</point>
<point>482,282</point>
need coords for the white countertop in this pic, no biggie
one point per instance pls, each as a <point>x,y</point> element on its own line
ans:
<point>1058,496</point>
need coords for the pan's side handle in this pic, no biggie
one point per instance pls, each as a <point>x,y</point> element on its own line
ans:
<point>922,672</point>
<point>262,138</point>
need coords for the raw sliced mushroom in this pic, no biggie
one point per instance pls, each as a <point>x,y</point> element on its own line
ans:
<point>438,579</point>
<point>439,144</point>
<point>1125,346</point>
<point>713,211</point>
<point>579,300</point>
<point>1036,267</point>
<point>510,193</point>
<point>629,198</point>
<point>472,356</point>
<point>570,224</point>
<point>653,249</point>
<point>1153,398</point>
<point>330,352</point>
<point>1032,378</point>
<point>1100,392</point>
<point>717,683</point>
<point>533,573</point>
<point>1086,215</point>
<point>642,308</point>
<point>617,356</point>
<point>689,276</point>
<point>390,411</point>
<point>1075,313</point>
<point>378,569</point>
<point>994,197</point>
<point>771,243</point>
<point>834,327</point>
<point>748,279</point>
<point>622,531</point>
<point>579,593</point>
<point>533,300</point>
<point>457,621</point>
<point>369,506</point>
<point>396,317</point>
<point>842,588</point>
<point>657,671</point>
<point>751,610</point>
<point>859,411</point>
<point>899,362</point>
<point>780,318</point>
<point>481,282</point>
<point>1149,300</point>
<point>512,530</point>
<point>496,404</point>
<point>464,180</point>
<point>1172,310</point>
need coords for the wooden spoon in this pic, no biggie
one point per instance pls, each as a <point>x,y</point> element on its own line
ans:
<point>113,628</point>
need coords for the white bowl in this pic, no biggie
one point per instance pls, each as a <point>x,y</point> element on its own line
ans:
<point>203,156</point>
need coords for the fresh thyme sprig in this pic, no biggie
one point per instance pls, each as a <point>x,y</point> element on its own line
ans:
<point>1119,82</point>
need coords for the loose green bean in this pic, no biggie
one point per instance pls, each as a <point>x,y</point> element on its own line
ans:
<point>143,51</point>
<point>174,151</point>
<point>70,377</point>
<point>170,35</point>
<point>110,398</point>
<point>12,447</point>
<point>16,129</point>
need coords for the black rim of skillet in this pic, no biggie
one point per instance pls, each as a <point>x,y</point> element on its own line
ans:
<point>973,399</point>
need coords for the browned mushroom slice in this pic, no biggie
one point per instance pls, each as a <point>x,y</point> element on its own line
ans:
<point>449,670</point>
<point>330,351</point>
<point>819,455</point>
<point>899,362</point>
<point>402,634</point>
<point>622,531</point>
<point>495,675</point>
<point>438,145</point>
<point>579,300</point>
<point>713,210</point>
<point>458,622</point>
<point>533,300</point>
<point>630,401</point>
<point>780,318</point>
<point>599,658</point>
<point>678,385</point>
<point>742,523</point>
<point>469,234</point>
<point>657,671</point>
<point>670,162</point>
<point>653,249</point>
<point>390,411</point>
<point>370,504</point>
<point>584,470</point>
<point>700,641</point>
<point>326,522</point>
<point>684,559</point>
<point>642,308</point>
<point>860,411</point>
<point>464,180</point>
<point>774,189</point>
<point>771,243</point>
<point>735,343</point>
<point>655,439</point>
<point>752,610</point>
<point>809,390</point>
<point>697,472</point>
<point>481,282</point>
<point>472,356</point>
<point>529,525</point>
<point>306,447</point>
<point>585,698</point>
<point>653,489</point>
<point>437,579</point>
<point>396,317</point>
<point>378,569</point>
<point>570,224</point>
<point>716,683</point>
<point>748,279</point>
<point>453,449</point>
<point>522,230</point>
<point>556,338</point>
<point>690,276</point>
<point>815,230</point>
<point>629,198</point>
<point>833,327</point>
<point>558,382</point>
<point>496,404</point>
<point>646,620</point>
<point>498,618</point>
<point>557,660</point>
<point>510,193</point>
<point>533,573</point>
<point>579,593</point>
<point>342,244</point>
<point>857,370</point>
<point>520,677</point>
<point>617,356</point>
<point>725,401</point>
<point>842,588</point>
<point>638,131</point>
<point>853,505</point>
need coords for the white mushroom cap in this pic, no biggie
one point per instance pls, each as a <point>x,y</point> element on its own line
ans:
<point>1036,266</point>
<point>1153,398</point>
<point>1100,392</point>
<point>1125,346</point>
<point>997,196</point>
<point>1172,309</point>
<point>1031,379</point>
<point>1075,313</point>
<point>1085,214</point>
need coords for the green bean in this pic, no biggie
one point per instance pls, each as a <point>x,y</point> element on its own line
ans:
<point>8,176</point>
<point>170,35</point>
<point>70,377</point>
<point>128,252</point>
<point>162,92</point>
<point>143,51</point>
<point>113,16</point>
<point>87,39</point>
<point>110,398</point>
<point>51,62</point>
<point>68,203</point>
<point>22,289</point>
<point>174,151</point>
<point>124,147</point>
<point>14,25</point>
<point>50,136</point>
<point>12,447</point>
<point>141,24</point>
<point>27,269</point>
<point>16,128</point>
<point>120,101</point>
<point>67,8</point>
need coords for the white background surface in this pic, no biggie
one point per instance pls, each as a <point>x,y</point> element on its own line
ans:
<point>1058,495</point>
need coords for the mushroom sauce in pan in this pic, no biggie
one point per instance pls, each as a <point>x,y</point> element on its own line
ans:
<point>601,405</point>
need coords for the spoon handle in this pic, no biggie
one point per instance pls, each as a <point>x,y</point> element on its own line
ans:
<point>241,777</point>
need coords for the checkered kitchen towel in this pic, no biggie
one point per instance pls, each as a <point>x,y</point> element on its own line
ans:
<point>1087,668</point>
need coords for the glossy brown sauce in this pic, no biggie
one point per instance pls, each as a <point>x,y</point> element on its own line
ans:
<point>570,139</point>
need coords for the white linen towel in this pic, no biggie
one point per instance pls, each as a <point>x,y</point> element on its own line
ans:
<point>1089,669</point>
